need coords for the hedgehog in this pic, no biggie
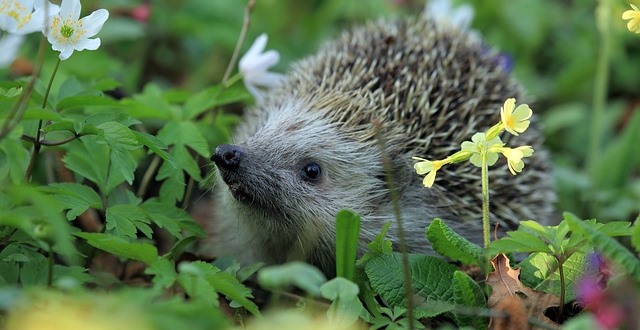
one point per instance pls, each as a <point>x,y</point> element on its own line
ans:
<point>309,148</point>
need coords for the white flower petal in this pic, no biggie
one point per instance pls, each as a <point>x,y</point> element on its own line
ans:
<point>90,44</point>
<point>10,44</point>
<point>267,79</point>
<point>254,91</point>
<point>462,16</point>
<point>93,23</point>
<point>261,63</point>
<point>65,53</point>
<point>258,46</point>
<point>70,9</point>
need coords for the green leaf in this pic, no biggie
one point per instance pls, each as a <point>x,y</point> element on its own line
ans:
<point>118,135</point>
<point>39,216</point>
<point>123,163</point>
<point>191,277</point>
<point>156,145</point>
<point>124,220</point>
<point>228,285</point>
<point>14,159</point>
<point>79,101</point>
<point>468,293</point>
<point>347,233</point>
<point>608,246</point>
<point>75,197</point>
<point>613,168</point>
<point>304,276</point>
<point>540,272</point>
<point>150,104</point>
<point>172,218</point>
<point>635,235</point>
<point>345,307</point>
<point>431,278</point>
<point>164,272</point>
<point>210,98</point>
<point>173,187</point>
<point>453,246</point>
<point>518,241</point>
<point>44,114</point>
<point>144,252</point>
<point>91,160</point>
<point>379,246</point>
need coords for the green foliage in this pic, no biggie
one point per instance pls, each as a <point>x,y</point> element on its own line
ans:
<point>298,274</point>
<point>347,231</point>
<point>453,246</point>
<point>126,133</point>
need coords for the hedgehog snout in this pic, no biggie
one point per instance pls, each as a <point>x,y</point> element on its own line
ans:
<point>227,156</point>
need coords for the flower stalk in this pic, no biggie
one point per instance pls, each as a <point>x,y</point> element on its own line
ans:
<point>483,150</point>
<point>36,143</point>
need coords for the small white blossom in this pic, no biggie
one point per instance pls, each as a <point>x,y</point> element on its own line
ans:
<point>24,16</point>
<point>254,66</point>
<point>9,45</point>
<point>443,12</point>
<point>66,32</point>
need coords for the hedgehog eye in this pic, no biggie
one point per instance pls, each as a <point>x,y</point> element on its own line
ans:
<point>311,171</point>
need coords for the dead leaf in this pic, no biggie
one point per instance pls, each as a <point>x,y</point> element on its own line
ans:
<point>505,284</point>
<point>516,318</point>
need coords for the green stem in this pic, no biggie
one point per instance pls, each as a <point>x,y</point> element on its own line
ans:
<point>601,79</point>
<point>50,268</point>
<point>393,192</point>
<point>485,199</point>
<point>37,145</point>
<point>562,288</point>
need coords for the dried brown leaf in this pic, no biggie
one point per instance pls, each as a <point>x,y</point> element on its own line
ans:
<point>505,284</point>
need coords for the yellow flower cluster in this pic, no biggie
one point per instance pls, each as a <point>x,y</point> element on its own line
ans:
<point>514,120</point>
<point>634,19</point>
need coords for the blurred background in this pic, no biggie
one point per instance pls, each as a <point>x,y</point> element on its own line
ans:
<point>572,56</point>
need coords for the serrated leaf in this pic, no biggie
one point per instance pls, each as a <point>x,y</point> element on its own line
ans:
<point>210,98</point>
<point>185,161</point>
<point>191,277</point>
<point>156,145</point>
<point>345,307</point>
<point>85,100</point>
<point>164,272</point>
<point>14,159</point>
<point>174,185</point>
<point>347,233</point>
<point>635,235</point>
<point>144,252</point>
<point>118,135</point>
<point>304,276</point>
<point>123,163</point>
<point>170,217</point>
<point>44,114</point>
<point>125,220</point>
<point>431,277</point>
<point>615,228</point>
<point>228,285</point>
<point>608,246</point>
<point>468,293</point>
<point>75,197</point>
<point>453,246</point>
<point>90,159</point>
<point>539,271</point>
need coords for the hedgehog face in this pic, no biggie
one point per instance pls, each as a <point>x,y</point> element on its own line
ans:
<point>294,169</point>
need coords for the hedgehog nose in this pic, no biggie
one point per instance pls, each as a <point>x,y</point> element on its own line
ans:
<point>227,156</point>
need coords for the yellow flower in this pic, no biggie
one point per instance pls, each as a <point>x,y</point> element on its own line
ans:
<point>514,157</point>
<point>634,19</point>
<point>429,168</point>
<point>478,145</point>
<point>515,120</point>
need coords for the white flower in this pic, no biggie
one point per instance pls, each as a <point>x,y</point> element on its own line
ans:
<point>254,66</point>
<point>19,16</point>
<point>9,44</point>
<point>66,32</point>
<point>443,12</point>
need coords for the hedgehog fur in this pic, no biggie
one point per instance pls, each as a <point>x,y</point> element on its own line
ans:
<point>430,88</point>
